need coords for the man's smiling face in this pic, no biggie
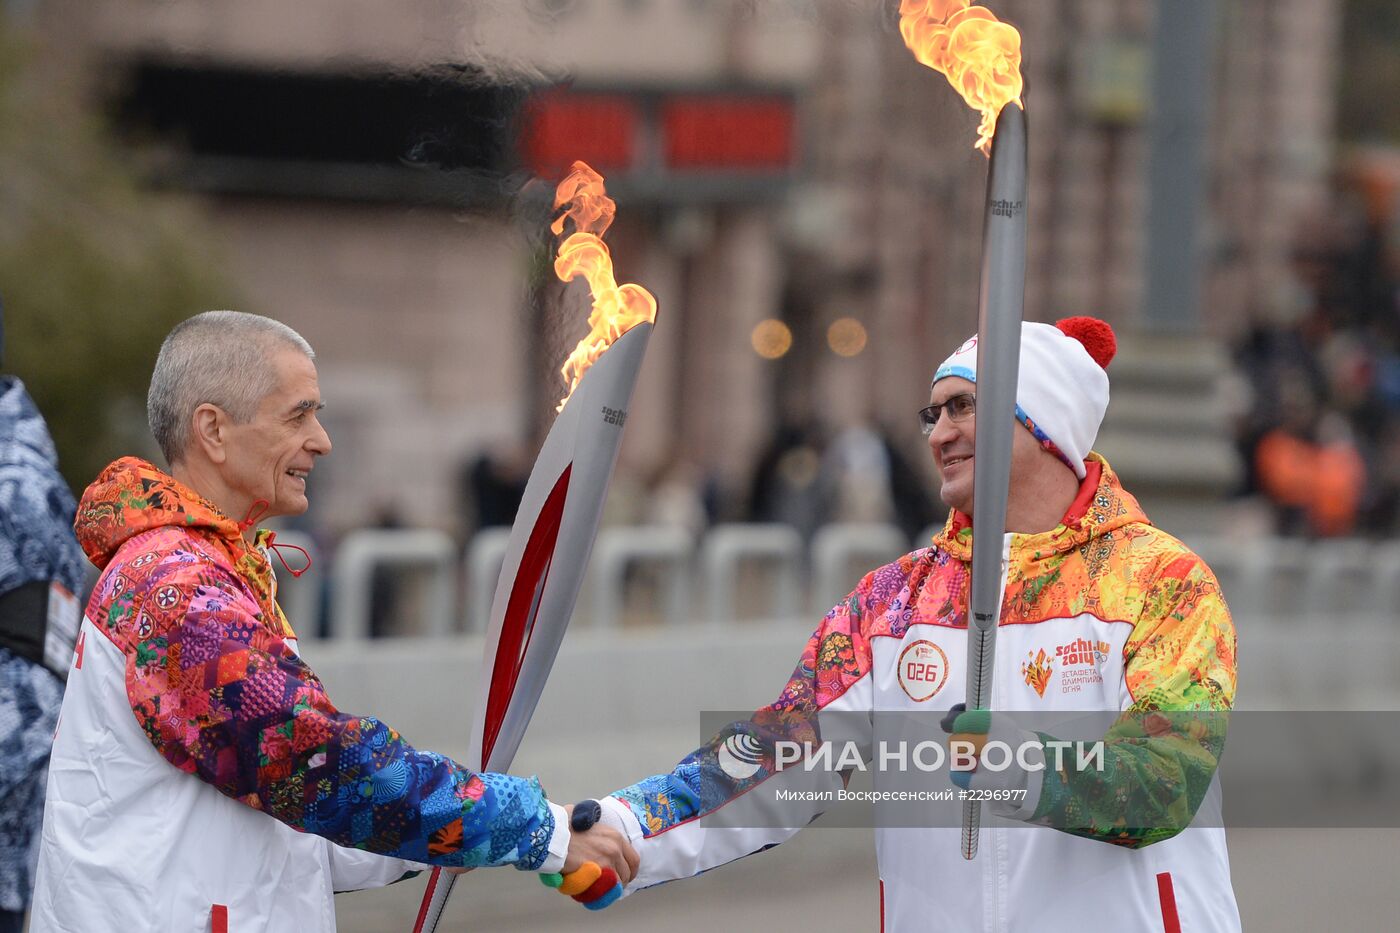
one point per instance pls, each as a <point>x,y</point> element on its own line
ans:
<point>953,444</point>
<point>271,455</point>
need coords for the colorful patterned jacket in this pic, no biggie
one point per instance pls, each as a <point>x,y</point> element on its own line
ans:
<point>199,769</point>
<point>1103,613</point>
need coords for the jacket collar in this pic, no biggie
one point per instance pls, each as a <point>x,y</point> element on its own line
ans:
<point>1101,506</point>
<point>132,496</point>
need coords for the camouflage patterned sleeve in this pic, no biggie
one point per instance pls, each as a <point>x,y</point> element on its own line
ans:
<point>1160,756</point>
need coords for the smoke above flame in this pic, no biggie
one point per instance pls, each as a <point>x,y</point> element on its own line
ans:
<point>978,54</point>
<point>616,308</point>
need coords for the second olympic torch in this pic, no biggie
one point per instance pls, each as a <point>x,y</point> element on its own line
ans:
<point>550,542</point>
<point>981,58</point>
<point>999,315</point>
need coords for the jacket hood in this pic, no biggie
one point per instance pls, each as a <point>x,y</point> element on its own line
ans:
<point>131,497</point>
<point>1102,505</point>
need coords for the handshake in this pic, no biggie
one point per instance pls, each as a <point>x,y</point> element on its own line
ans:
<point>601,861</point>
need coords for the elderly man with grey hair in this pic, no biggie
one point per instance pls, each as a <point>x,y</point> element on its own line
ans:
<point>201,778</point>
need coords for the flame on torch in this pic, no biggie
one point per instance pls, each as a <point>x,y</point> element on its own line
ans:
<point>978,54</point>
<point>616,308</point>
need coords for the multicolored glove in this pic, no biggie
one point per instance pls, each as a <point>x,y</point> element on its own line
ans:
<point>592,886</point>
<point>1015,785</point>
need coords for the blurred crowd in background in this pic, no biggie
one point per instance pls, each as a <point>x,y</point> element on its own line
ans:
<point>1318,388</point>
<point>384,189</point>
<point>810,475</point>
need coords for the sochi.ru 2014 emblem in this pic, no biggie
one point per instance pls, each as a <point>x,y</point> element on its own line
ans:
<point>923,670</point>
<point>1037,670</point>
<point>1081,664</point>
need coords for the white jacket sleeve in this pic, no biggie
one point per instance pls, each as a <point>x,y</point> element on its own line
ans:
<point>713,808</point>
<point>356,869</point>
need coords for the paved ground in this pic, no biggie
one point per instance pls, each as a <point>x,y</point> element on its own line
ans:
<point>1286,881</point>
<point>649,687</point>
<point>824,880</point>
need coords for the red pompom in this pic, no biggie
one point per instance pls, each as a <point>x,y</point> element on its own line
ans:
<point>1096,336</point>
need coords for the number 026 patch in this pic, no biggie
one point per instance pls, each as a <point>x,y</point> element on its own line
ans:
<point>923,670</point>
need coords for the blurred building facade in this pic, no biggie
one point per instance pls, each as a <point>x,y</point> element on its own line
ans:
<point>771,160</point>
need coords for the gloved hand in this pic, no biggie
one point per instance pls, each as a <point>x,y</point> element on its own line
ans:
<point>1013,770</point>
<point>592,885</point>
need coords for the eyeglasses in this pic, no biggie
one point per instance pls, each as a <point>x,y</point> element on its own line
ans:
<point>959,408</point>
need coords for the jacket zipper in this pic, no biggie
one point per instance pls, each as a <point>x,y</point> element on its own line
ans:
<point>995,923</point>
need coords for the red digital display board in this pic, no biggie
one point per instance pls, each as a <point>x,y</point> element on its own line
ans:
<point>561,127</point>
<point>696,133</point>
<point>728,132</point>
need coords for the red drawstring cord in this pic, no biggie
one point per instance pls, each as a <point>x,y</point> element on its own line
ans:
<point>275,548</point>
<point>256,511</point>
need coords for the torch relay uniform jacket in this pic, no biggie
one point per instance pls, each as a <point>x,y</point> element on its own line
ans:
<point>1103,613</point>
<point>202,780</point>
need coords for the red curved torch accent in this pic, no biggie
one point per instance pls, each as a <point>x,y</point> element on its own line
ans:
<point>522,609</point>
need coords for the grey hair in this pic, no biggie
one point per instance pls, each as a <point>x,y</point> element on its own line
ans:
<point>219,357</point>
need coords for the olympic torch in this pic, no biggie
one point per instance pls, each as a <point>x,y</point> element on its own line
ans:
<point>981,58</point>
<point>999,314</point>
<point>554,530</point>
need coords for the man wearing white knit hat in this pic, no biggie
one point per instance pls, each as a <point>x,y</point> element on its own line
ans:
<point>1101,613</point>
<point>1061,398</point>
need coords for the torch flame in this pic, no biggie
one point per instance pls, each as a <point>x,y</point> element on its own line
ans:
<point>616,308</point>
<point>978,54</point>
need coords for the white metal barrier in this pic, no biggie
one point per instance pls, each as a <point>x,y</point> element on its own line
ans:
<point>1284,572</point>
<point>1290,580</point>
<point>1342,578</point>
<point>1353,662</point>
<point>362,552</point>
<point>1388,576</point>
<point>485,555</point>
<point>1277,582</point>
<point>837,546</point>
<point>726,546</point>
<point>617,549</point>
<point>650,687</point>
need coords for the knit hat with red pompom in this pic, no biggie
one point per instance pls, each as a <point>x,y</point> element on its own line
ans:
<point>1062,388</point>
